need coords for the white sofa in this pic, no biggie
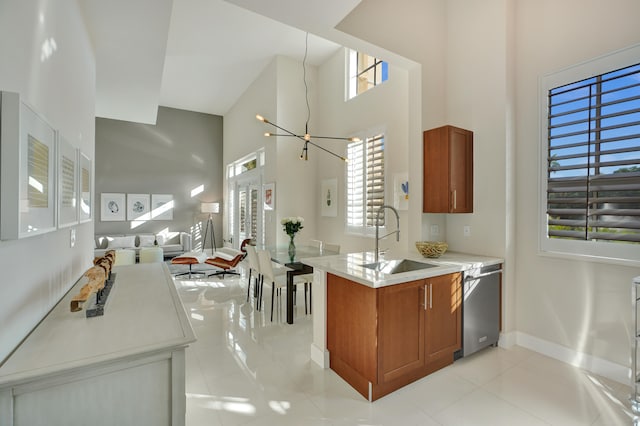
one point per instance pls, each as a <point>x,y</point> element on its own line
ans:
<point>173,244</point>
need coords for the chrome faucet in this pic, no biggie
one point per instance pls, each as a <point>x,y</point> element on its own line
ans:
<point>397,231</point>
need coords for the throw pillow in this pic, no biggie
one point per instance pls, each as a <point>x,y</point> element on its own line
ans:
<point>146,240</point>
<point>121,242</point>
<point>160,239</point>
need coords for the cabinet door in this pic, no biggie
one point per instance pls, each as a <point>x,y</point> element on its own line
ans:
<point>448,170</point>
<point>401,310</point>
<point>435,171</point>
<point>443,320</point>
<point>460,170</point>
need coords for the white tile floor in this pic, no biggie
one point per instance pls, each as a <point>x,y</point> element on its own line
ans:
<point>245,370</point>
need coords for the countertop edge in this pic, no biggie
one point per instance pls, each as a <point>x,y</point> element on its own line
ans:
<point>348,266</point>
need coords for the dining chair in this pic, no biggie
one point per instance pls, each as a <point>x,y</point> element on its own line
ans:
<point>331,247</point>
<point>277,276</point>
<point>254,269</point>
<point>316,243</point>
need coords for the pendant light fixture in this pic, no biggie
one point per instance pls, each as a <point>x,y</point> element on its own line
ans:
<point>306,137</point>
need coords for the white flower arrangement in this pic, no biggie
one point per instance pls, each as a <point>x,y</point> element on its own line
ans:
<point>291,225</point>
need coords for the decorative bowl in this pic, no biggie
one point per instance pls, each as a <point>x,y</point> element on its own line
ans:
<point>431,248</point>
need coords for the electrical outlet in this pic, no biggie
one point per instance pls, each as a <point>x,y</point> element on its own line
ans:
<point>467,231</point>
<point>72,237</point>
<point>435,230</point>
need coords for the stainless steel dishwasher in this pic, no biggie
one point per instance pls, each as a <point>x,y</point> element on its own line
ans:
<point>480,308</point>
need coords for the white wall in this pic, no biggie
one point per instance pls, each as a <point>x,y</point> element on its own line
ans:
<point>37,271</point>
<point>278,95</point>
<point>581,305</point>
<point>415,30</point>
<point>383,108</point>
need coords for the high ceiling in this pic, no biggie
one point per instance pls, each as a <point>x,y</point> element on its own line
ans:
<point>198,55</point>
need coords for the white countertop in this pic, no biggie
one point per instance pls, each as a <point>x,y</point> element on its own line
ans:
<point>143,315</point>
<point>349,266</point>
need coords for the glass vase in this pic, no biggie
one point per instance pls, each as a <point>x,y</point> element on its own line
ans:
<point>292,248</point>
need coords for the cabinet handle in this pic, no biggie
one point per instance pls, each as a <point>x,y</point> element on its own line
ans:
<point>425,298</point>
<point>430,296</point>
<point>455,199</point>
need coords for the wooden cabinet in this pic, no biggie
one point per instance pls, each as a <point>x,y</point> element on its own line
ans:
<point>443,323</point>
<point>447,170</point>
<point>401,329</point>
<point>393,335</point>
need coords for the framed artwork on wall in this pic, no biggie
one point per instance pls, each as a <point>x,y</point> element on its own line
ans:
<point>329,197</point>
<point>138,207</point>
<point>84,188</point>
<point>67,183</point>
<point>269,196</point>
<point>401,191</point>
<point>162,206</point>
<point>27,171</point>
<point>112,207</point>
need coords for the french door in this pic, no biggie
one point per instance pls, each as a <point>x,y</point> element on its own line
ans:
<point>248,212</point>
<point>245,212</point>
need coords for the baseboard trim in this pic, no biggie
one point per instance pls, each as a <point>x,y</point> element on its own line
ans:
<point>596,365</point>
<point>320,356</point>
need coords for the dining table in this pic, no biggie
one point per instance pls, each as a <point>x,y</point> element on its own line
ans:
<point>294,261</point>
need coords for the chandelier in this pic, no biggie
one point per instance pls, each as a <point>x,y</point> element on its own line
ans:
<point>306,137</point>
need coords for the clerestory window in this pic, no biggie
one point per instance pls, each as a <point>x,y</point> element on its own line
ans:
<point>365,72</point>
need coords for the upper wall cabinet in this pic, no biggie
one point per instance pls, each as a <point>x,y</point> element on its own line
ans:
<point>448,170</point>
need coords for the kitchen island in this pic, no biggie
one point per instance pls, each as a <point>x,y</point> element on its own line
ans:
<point>381,327</point>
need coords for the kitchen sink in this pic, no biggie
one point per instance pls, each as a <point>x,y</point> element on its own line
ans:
<point>398,266</point>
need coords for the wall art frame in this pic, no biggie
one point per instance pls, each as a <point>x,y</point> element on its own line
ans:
<point>401,191</point>
<point>67,183</point>
<point>138,207</point>
<point>329,197</point>
<point>112,207</point>
<point>27,170</point>
<point>162,206</point>
<point>269,196</point>
<point>85,188</point>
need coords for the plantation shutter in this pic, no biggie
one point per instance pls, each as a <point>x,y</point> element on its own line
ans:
<point>365,181</point>
<point>375,178</point>
<point>593,162</point>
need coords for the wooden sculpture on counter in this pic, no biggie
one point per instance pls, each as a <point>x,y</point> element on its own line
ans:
<point>97,275</point>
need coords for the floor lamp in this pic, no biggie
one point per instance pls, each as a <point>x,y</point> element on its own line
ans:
<point>210,208</point>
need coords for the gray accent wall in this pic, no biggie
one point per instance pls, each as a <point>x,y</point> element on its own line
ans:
<point>175,156</point>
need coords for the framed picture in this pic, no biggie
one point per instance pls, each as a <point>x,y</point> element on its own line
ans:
<point>27,171</point>
<point>162,206</point>
<point>67,183</point>
<point>138,207</point>
<point>269,196</point>
<point>401,191</point>
<point>329,197</point>
<point>84,188</point>
<point>112,206</point>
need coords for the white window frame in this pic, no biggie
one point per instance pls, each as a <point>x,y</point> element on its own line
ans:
<point>364,229</point>
<point>353,73</point>
<point>607,252</point>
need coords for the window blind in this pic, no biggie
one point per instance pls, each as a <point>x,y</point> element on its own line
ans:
<point>365,181</point>
<point>593,162</point>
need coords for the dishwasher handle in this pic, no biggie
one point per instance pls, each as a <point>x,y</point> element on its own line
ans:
<point>486,274</point>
